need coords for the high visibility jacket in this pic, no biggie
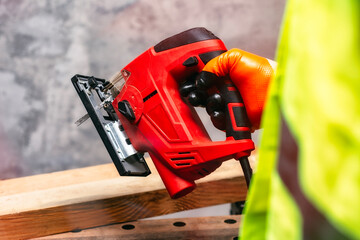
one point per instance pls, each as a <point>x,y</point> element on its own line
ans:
<point>307,183</point>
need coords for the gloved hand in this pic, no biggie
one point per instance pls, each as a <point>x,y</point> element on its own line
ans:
<point>250,73</point>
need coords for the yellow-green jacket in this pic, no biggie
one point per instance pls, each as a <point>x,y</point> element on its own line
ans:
<point>307,184</point>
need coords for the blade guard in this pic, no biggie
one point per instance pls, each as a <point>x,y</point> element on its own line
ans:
<point>164,125</point>
<point>97,103</point>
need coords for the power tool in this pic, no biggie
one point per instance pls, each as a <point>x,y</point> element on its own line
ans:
<point>141,110</point>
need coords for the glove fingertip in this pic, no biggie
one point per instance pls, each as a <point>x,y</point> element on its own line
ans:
<point>206,80</point>
<point>186,88</point>
<point>218,119</point>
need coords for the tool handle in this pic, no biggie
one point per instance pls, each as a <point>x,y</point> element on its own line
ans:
<point>236,118</point>
<point>237,121</point>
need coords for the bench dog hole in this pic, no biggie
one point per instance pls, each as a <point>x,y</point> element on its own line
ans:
<point>128,226</point>
<point>230,221</point>
<point>179,224</point>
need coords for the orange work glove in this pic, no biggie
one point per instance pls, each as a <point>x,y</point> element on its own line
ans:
<point>251,74</point>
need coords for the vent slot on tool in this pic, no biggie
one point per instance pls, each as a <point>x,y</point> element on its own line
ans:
<point>181,160</point>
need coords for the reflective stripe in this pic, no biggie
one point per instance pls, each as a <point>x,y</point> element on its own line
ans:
<point>315,225</point>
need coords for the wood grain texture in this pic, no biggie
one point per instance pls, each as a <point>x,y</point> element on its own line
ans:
<point>82,198</point>
<point>217,227</point>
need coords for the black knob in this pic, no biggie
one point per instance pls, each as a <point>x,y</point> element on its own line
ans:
<point>126,110</point>
<point>190,62</point>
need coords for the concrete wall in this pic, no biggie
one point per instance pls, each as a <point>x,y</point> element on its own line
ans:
<point>43,43</point>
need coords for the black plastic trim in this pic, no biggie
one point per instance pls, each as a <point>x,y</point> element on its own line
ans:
<point>206,57</point>
<point>187,37</point>
<point>150,96</point>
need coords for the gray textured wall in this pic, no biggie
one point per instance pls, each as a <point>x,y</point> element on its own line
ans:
<point>43,43</point>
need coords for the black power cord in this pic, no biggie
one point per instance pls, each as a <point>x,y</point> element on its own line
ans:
<point>245,165</point>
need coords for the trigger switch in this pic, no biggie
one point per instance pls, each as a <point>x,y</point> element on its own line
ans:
<point>126,110</point>
<point>191,61</point>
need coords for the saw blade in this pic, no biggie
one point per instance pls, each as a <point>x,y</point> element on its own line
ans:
<point>82,119</point>
<point>87,116</point>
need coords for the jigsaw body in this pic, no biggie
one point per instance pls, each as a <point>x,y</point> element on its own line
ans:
<point>152,116</point>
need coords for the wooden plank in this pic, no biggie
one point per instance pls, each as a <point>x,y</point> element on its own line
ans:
<point>217,227</point>
<point>81,198</point>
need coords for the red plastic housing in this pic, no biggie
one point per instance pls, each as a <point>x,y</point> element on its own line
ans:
<point>165,126</point>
